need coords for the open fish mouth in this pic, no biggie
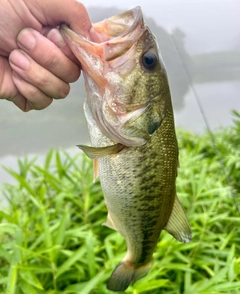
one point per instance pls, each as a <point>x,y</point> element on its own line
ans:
<point>124,28</point>
<point>113,37</point>
<point>109,57</point>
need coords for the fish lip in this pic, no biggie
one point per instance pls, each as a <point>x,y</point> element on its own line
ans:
<point>137,19</point>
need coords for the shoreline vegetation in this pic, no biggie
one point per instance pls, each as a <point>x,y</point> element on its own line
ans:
<point>52,240</point>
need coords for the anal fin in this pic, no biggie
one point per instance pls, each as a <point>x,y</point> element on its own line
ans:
<point>177,224</point>
<point>95,169</point>
<point>109,223</point>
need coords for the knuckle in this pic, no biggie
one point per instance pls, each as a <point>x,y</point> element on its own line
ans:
<point>51,61</point>
<point>32,92</point>
<point>62,66</point>
<point>42,81</point>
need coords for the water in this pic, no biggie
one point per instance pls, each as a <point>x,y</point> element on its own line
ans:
<point>199,42</point>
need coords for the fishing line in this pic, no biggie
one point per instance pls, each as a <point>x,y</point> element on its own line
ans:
<point>197,98</point>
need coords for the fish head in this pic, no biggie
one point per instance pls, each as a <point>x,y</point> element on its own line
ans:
<point>124,77</point>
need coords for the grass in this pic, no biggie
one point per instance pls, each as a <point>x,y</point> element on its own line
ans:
<point>52,241</point>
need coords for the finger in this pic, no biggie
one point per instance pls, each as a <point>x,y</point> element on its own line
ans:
<point>33,97</point>
<point>48,55</point>
<point>35,74</point>
<point>21,102</point>
<point>55,36</point>
<point>8,89</point>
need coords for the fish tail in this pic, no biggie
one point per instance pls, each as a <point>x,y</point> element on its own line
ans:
<point>125,274</point>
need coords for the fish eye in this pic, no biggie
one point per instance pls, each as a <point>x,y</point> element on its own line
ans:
<point>149,60</point>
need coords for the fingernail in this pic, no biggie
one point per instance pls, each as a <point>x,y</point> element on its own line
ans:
<point>55,36</point>
<point>26,39</point>
<point>19,59</point>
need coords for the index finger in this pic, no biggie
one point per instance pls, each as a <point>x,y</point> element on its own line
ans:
<point>55,36</point>
<point>48,55</point>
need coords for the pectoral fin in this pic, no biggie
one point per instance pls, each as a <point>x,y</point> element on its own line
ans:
<point>98,152</point>
<point>178,225</point>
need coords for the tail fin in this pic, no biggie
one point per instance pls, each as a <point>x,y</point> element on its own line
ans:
<point>125,274</point>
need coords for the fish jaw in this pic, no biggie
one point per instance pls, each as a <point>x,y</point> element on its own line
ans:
<point>110,61</point>
<point>111,39</point>
<point>80,47</point>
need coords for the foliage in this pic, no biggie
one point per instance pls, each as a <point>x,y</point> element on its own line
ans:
<point>52,241</point>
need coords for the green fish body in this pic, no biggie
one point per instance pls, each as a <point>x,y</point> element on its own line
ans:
<point>134,146</point>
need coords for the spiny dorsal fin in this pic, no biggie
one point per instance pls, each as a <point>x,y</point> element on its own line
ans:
<point>178,225</point>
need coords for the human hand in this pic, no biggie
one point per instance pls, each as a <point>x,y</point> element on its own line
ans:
<point>36,65</point>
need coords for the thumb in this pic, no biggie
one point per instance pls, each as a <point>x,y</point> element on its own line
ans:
<point>53,13</point>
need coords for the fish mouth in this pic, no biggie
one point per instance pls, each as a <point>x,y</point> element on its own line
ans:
<point>109,31</point>
<point>106,49</point>
<point>108,40</point>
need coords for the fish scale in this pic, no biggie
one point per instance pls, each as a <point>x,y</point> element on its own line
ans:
<point>134,147</point>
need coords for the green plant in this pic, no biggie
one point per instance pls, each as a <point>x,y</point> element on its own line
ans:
<point>52,240</point>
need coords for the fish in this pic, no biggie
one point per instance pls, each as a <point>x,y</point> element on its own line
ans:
<point>134,147</point>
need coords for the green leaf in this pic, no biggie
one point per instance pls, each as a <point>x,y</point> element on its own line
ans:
<point>91,260</point>
<point>48,159</point>
<point>62,227</point>
<point>22,181</point>
<point>150,285</point>
<point>30,278</point>
<point>4,254</point>
<point>91,284</point>
<point>12,279</point>
<point>75,256</point>
<point>7,217</point>
<point>28,288</point>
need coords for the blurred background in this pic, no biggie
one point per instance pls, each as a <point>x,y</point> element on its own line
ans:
<point>200,45</point>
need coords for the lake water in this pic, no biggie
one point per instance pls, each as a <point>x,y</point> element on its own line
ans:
<point>200,45</point>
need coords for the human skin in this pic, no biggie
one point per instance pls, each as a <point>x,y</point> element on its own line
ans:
<point>36,65</point>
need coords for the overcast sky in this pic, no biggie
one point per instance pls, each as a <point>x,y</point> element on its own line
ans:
<point>209,25</point>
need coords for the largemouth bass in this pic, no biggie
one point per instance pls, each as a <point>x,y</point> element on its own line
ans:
<point>130,119</point>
